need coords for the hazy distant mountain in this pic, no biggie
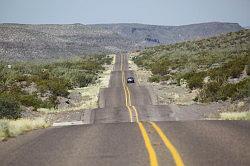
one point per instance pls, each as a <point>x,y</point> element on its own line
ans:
<point>24,42</point>
<point>248,27</point>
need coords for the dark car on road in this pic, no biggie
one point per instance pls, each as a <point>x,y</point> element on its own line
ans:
<point>130,80</point>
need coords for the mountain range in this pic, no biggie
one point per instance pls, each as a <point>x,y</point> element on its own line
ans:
<point>53,41</point>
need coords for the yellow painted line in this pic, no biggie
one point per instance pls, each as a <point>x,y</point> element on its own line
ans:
<point>149,147</point>
<point>176,156</point>
<point>129,96</point>
<point>151,152</point>
<point>136,114</point>
<point>126,103</point>
<point>130,113</point>
<point>125,92</point>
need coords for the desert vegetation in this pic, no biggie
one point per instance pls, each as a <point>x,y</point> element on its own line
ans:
<point>25,41</point>
<point>38,85</point>
<point>12,128</point>
<point>218,67</point>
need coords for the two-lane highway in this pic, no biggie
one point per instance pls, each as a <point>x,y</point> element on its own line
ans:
<point>153,138</point>
<point>133,116</point>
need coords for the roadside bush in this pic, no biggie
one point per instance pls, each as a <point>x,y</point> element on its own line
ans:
<point>154,78</point>
<point>165,78</point>
<point>242,90</point>
<point>58,87</point>
<point>209,92</point>
<point>195,80</point>
<point>214,91</point>
<point>161,67</point>
<point>9,108</point>
<point>233,69</point>
<point>51,79</point>
<point>84,80</point>
<point>34,101</point>
<point>248,70</point>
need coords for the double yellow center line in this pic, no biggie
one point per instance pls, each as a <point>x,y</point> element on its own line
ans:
<point>151,152</point>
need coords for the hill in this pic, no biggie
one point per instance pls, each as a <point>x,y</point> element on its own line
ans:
<point>218,67</point>
<point>25,42</point>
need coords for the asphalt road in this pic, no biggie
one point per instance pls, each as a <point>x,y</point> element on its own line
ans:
<point>153,138</point>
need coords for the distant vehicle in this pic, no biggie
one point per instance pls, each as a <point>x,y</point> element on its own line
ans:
<point>130,80</point>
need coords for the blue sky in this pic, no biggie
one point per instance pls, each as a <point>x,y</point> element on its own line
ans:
<point>161,12</point>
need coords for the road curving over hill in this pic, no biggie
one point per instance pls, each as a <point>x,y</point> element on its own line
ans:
<point>127,129</point>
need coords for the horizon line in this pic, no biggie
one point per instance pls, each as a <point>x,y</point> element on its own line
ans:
<point>75,23</point>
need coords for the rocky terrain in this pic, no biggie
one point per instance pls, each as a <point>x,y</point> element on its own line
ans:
<point>26,42</point>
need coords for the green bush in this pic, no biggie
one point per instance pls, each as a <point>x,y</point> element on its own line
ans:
<point>84,80</point>
<point>154,78</point>
<point>242,90</point>
<point>58,87</point>
<point>55,78</point>
<point>195,80</point>
<point>220,58</point>
<point>161,67</point>
<point>34,101</point>
<point>248,70</point>
<point>215,91</point>
<point>209,92</point>
<point>165,78</point>
<point>9,108</point>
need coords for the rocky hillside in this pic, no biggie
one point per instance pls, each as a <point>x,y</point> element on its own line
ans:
<point>25,42</point>
<point>217,67</point>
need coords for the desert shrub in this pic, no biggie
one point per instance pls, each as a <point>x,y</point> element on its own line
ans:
<point>53,78</point>
<point>214,91</point>
<point>58,87</point>
<point>138,62</point>
<point>165,78</point>
<point>9,108</point>
<point>220,58</point>
<point>44,75</point>
<point>248,69</point>
<point>242,90</point>
<point>141,60</point>
<point>83,79</point>
<point>154,78</point>
<point>105,60</point>
<point>209,92</point>
<point>195,80</point>
<point>34,101</point>
<point>21,78</point>
<point>233,68</point>
<point>161,67</point>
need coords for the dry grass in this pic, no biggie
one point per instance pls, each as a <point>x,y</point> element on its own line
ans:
<point>12,128</point>
<point>235,116</point>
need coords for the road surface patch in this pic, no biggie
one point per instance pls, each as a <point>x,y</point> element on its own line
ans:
<point>175,154</point>
<point>73,123</point>
<point>151,152</point>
